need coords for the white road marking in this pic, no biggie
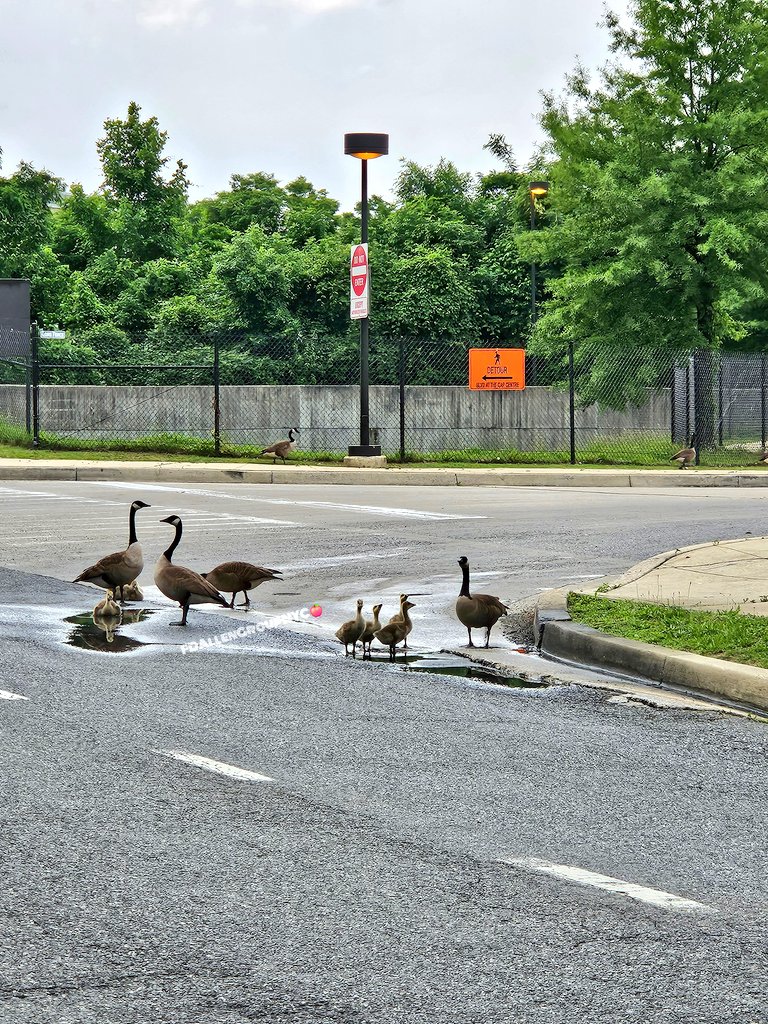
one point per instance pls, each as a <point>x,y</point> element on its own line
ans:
<point>321,563</point>
<point>218,767</point>
<point>376,510</point>
<point>657,897</point>
<point>8,695</point>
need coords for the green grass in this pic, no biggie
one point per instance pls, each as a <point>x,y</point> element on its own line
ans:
<point>620,452</point>
<point>729,635</point>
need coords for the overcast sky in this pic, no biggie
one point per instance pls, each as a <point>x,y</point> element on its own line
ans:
<point>272,85</point>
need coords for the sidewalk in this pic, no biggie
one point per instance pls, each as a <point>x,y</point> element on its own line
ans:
<point>715,576</point>
<point>482,476</point>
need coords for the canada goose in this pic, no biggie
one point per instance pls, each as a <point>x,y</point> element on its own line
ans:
<point>350,632</point>
<point>113,572</point>
<point>371,628</point>
<point>107,608</point>
<point>762,458</point>
<point>477,611</point>
<point>398,616</point>
<point>281,448</point>
<point>686,455</point>
<point>181,584</point>
<point>396,630</point>
<point>133,592</point>
<point>232,577</point>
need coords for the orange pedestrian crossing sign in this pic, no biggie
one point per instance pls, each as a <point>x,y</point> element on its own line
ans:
<point>497,369</point>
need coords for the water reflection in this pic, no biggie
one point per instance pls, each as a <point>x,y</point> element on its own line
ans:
<point>96,633</point>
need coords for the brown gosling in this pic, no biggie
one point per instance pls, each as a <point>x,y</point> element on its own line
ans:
<point>233,577</point>
<point>686,455</point>
<point>132,592</point>
<point>477,611</point>
<point>107,608</point>
<point>350,632</point>
<point>372,626</point>
<point>396,630</point>
<point>403,599</point>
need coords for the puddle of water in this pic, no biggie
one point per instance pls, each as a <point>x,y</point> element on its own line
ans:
<point>447,666</point>
<point>90,634</point>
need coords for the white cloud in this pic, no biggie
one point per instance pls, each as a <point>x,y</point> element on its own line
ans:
<point>169,13</point>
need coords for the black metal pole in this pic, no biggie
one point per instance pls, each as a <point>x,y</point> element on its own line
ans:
<point>365,420</point>
<point>533,265</point>
<point>216,399</point>
<point>35,389</point>
<point>720,401</point>
<point>572,402</point>
<point>762,399</point>
<point>672,398</point>
<point>401,376</point>
<point>28,395</point>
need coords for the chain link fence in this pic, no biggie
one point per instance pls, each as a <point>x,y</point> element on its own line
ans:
<point>232,393</point>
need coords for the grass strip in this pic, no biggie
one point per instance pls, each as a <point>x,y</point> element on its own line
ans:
<point>730,635</point>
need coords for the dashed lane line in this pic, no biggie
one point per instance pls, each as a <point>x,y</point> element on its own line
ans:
<point>656,897</point>
<point>9,695</point>
<point>217,767</point>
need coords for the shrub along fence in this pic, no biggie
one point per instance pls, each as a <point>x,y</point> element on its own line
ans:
<point>232,393</point>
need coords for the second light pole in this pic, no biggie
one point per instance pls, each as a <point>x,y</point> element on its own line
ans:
<point>536,189</point>
<point>365,146</point>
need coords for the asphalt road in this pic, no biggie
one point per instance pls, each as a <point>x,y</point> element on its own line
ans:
<point>363,875</point>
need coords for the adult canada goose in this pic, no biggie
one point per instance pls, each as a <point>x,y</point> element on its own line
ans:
<point>113,572</point>
<point>232,577</point>
<point>396,630</point>
<point>399,615</point>
<point>107,608</point>
<point>372,626</point>
<point>133,592</point>
<point>477,611</point>
<point>762,458</point>
<point>350,632</point>
<point>686,455</point>
<point>181,584</point>
<point>280,449</point>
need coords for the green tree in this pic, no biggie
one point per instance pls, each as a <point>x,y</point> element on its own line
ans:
<point>26,198</point>
<point>147,210</point>
<point>660,190</point>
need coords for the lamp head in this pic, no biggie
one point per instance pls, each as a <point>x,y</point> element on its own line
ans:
<point>538,188</point>
<point>366,145</point>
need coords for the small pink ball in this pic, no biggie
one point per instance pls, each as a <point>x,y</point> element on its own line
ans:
<point>316,611</point>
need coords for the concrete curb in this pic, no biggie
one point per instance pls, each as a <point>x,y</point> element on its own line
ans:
<point>560,637</point>
<point>234,472</point>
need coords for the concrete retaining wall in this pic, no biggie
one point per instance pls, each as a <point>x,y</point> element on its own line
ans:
<point>437,418</point>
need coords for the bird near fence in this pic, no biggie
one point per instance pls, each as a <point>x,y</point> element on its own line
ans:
<point>280,449</point>
<point>686,455</point>
<point>115,571</point>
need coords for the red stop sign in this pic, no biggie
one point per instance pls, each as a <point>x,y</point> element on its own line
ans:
<point>359,270</point>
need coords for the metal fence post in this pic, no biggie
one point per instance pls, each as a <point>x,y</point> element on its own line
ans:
<point>762,399</point>
<point>720,400</point>
<point>34,339</point>
<point>572,402</point>
<point>216,398</point>
<point>401,381</point>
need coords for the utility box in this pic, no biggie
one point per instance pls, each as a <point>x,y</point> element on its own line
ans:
<point>15,337</point>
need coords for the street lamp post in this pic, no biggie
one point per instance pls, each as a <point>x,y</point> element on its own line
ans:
<point>365,146</point>
<point>536,189</point>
